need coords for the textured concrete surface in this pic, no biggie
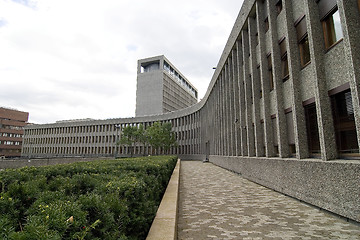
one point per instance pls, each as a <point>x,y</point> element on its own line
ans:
<point>164,226</point>
<point>331,185</point>
<point>217,204</point>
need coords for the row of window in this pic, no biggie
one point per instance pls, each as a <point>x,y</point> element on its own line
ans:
<point>181,149</point>
<point>180,80</point>
<point>173,87</point>
<point>16,143</point>
<point>332,34</point>
<point>182,135</point>
<point>10,135</point>
<point>12,127</point>
<point>344,124</point>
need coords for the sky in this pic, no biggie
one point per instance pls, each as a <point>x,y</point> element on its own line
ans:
<point>76,59</point>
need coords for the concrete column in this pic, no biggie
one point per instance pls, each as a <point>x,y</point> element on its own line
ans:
<point>264,79</point>
<point>223,112</point>
<point>242,114</point>
<point>278,90</point>
<point>295,84</point>
<point>228,106</point>
<point>218,112</point>
<point>259,150</point>
<point>236,102</point>
<point>323,107</point>
<point>228,95</point>
<point>233,104</point>
<point>247,92</point>
<point>350,22</point>
<point>220,108</point>
<point>225,109</point>
<point>216,121</point>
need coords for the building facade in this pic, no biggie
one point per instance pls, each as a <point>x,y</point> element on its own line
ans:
<point>282,108</point>
<point>12,123</point>
<point>161,88</point>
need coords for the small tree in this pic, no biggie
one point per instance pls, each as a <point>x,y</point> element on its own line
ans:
<point>168,137</point>
<point>128,137</point>
<point>158,136</point>
<point>141,136</point>
<point>161,135</point>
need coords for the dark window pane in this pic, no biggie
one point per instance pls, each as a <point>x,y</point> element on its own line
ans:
<point>266,24</point>
<point>304,51</point>
<point>301,29</point>
<point>279,6</point>
<point>284,67</point>
<point>282,47</point>
<point>325,7</point>
<point>271,81</point>
<point>312,128</point>
<point>344,123</point>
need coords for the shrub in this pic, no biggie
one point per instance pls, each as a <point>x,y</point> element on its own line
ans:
<point>107,199</point>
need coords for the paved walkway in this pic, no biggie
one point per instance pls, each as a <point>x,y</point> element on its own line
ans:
<point>218,204</point>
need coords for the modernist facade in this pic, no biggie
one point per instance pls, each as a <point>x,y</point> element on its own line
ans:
<point>12,124</point>
<point>161,88</point>
<point>282,108</point>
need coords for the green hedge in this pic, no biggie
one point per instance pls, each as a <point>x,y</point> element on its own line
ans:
<point>108,199</point>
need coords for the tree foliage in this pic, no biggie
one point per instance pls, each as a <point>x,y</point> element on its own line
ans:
<point>157,135</point>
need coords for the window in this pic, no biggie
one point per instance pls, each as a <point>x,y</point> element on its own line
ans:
<point>344,122</point>
<point>275,132</point>
<point>303,41</point>
<point>267,24</point>
<point>284,60</point>
<point>330,20</point>
<point>290,131</point>
<point>259,80</point>
<point>312,128</point>
<point>262,130</point>
<point>251,89</point>
<point>279,6</point>
<point>271,80</point>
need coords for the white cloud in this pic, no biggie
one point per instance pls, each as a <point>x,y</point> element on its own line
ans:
<point>65,59</point>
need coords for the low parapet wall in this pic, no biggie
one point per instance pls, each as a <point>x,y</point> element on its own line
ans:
<point>164,226</point>
<point>330,185</point>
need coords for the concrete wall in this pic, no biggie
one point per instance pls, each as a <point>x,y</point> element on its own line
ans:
<point>149,90</point>
<point>333,185</point>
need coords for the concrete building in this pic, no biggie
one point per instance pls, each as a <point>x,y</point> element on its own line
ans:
<point>12,124</point>
<point>161,88</point>
<point>282,108</point>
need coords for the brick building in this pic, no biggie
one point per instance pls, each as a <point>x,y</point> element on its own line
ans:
<point>12,124</point>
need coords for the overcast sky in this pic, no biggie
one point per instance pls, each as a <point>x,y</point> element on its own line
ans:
<point>74,59</point>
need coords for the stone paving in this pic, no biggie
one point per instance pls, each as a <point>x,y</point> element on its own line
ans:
<point>218,204</point>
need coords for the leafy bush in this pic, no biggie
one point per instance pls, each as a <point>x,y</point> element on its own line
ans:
<point>108,199</point>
